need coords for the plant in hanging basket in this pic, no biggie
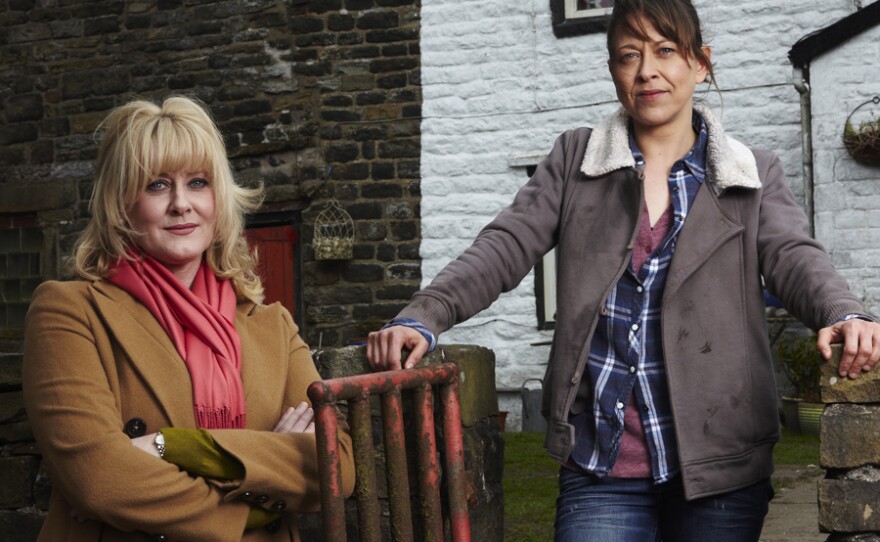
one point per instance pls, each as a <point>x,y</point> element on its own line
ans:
<point>333,248</point>
<point>863,143</point>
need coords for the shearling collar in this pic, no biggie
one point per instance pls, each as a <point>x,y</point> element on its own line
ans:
<point>729,162</point>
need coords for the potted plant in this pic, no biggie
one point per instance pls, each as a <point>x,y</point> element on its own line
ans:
<point>802,364</point>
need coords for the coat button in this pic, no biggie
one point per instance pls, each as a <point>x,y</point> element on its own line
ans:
<point>135,427</point>
<point>261,499</point>
<point>247,495</point>
<point>160,537</point>
<point>273,526</point>
<point>279,506</point>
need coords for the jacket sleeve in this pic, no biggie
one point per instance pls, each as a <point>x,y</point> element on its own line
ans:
<point>281,470</point>
<point>75,416</point>
<point>503,253</point>
<point>795,267</point>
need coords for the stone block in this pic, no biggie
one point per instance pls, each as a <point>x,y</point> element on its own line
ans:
<point>849,435</point>
<point>10,372</point>
<point>849,506</point>
<point>18,475</point>
<point>861,537</point>
<point>835,389</point>
<point>18,133</point>
<point>24,107</point>
<point>21,525</point>
<point>11,406</point>
<point>36,196</point>
<point>12,433</point>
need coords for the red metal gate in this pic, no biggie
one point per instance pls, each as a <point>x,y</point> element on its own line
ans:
<point>389,385</point>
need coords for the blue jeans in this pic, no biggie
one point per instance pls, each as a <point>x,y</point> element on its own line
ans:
<point>593,509</point>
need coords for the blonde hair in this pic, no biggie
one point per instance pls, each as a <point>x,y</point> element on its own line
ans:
<point>142,139</point>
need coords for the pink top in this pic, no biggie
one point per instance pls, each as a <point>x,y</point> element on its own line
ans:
<point>633,461</point>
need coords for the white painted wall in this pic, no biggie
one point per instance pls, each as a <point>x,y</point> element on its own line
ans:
<point>498,85</point>
<point>847,193</point>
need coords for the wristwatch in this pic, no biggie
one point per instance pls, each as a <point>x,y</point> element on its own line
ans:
<point>159,441</point>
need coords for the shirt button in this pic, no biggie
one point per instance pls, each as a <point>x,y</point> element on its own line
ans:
<point>645,408</point>
<point>639,289</point>
<point>619,406</point>
<point>635,327</point>
<point>632,369</point>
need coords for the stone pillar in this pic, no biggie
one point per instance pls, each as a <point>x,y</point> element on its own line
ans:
<point>483,444</point>
<point>849,496</point>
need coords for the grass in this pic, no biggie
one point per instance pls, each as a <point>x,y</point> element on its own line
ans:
<point>530,480</point>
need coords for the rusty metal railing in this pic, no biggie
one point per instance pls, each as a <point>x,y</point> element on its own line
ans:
<point>389,385</point>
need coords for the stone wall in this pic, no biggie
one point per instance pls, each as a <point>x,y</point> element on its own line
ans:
<point>317,99</point>
<point>849,496</point>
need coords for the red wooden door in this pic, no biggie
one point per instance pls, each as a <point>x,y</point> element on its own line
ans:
<point>275,246</point>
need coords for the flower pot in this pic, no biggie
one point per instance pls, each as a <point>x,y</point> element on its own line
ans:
<point>790,414</point>
<point>502,420</point>
<point>808,417</point>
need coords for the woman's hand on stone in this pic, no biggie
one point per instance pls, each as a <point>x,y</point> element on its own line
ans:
<point>861,345</point>
<point>384,348</point>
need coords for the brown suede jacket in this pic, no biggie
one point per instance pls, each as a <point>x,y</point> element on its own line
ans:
<point>586,201</point>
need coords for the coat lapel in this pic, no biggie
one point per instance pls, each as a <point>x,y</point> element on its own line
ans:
<point>150,350</point>
<point>706,228</point>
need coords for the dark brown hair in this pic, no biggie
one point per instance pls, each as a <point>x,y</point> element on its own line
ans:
<point>676,20</point>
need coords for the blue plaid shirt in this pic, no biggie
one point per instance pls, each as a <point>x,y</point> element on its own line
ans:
<point>626,354</point>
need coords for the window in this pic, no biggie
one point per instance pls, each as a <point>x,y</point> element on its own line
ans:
<point>575,17</point>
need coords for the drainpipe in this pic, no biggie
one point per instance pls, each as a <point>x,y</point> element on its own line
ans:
<point>800,77</point>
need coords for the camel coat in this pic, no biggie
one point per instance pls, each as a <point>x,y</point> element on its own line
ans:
<point>98,363</point>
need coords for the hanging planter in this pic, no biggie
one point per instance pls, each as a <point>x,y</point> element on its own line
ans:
<point>863,143</point>
<point>334,233</point>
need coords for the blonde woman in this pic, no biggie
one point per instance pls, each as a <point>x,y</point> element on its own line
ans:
<point>168,402</point>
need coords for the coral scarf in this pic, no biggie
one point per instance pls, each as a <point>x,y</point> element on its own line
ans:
<point>200,324</point>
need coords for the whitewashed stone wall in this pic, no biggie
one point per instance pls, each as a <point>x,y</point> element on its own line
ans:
<point>847,193</point>
<point>497,85</point>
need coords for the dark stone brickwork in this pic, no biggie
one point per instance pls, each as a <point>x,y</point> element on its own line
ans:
<point>318,99</point>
